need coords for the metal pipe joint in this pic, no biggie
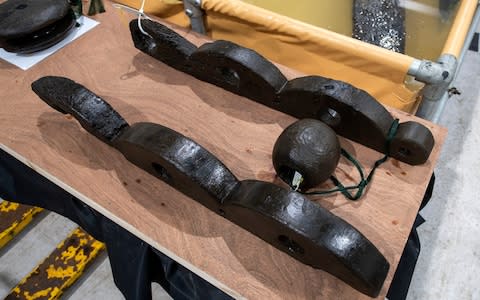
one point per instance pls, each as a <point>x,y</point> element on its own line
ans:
<point>193,10</point>
<point>437,77</point>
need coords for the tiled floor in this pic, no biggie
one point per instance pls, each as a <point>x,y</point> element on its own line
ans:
<point>450,256</point>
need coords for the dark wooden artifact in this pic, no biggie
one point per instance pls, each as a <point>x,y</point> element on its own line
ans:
<point>349,111</point>
<point>28,26</point>
<point>284,218</point>
<point>308,147</point>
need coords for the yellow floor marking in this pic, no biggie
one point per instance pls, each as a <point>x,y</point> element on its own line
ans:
<point>60,269</point>
<point>14,218</point>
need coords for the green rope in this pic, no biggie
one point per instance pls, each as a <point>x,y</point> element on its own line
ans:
<point>361,186</point>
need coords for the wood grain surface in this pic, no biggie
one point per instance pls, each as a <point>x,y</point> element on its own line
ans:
<point>240,132</point>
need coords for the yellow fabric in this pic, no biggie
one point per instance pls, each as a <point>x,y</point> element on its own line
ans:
<point>312,50</point>
<point>170,10</point>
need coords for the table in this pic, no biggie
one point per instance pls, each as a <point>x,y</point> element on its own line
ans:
<point>240,132</point>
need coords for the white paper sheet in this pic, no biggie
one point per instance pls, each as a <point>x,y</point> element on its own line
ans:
<point>26,61</point>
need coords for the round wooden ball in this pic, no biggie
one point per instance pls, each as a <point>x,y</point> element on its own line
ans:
<point>308,147</point>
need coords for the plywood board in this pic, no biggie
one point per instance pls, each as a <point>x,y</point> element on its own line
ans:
<point>240,132</point>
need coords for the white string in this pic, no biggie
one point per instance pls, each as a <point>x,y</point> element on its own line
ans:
<point>140,14</point>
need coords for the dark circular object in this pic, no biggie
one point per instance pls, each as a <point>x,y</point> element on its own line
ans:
<point>412,143</point>
<point>308,147</point>
<point>28,26</point>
